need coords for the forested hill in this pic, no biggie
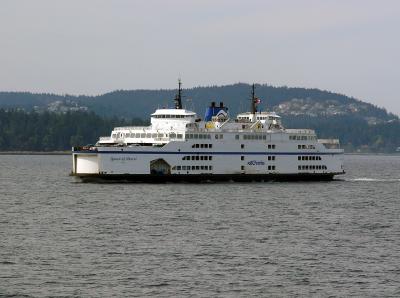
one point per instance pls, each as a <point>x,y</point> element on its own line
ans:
<point>141,103</point>
<point>360,126</point>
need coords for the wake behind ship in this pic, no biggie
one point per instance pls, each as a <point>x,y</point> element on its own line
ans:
<point>179,146</point>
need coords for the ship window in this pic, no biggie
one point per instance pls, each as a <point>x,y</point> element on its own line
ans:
<point>242,146</point>
<point>298,146</point>
<point>154,135</point>
<point>206,157</point>
<point>201,145</point>
<point>201,158</point>
<point>242,168</point>
<point>210,167</point>
<point>210,145</point>
<point>201,167</point>
<point>298,157</point>
<point>197,167</point>
<point>206,167</point>
<point>264,137</point>
<point>142,135</point>
<point>197,145</point>
<point>236,137</point>
<point>174,168</point>
<point>197,157</point>
<point>299,167</point>
<point>242,157</point>
<point>196,136</point>
<point>193,168</point>
<point>193,157</point>
<point>200,136</point>
<point>244,137</point>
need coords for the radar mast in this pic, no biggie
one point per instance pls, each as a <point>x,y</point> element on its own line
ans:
<point>253,100</point>
<point>178,96</point>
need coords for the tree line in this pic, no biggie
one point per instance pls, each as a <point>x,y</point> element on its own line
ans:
<point>31,131</point>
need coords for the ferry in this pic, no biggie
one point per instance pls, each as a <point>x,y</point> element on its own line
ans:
<point>179,146</point>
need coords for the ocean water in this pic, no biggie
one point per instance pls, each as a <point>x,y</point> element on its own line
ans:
<point>63,238</point>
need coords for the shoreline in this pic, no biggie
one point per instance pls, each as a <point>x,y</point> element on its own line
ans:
<point>35,152</point>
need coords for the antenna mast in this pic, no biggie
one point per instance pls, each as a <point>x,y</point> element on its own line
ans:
<point>178,97</point>
<point>253,100</point>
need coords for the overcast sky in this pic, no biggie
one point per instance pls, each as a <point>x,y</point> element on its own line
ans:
<point>95,46</point>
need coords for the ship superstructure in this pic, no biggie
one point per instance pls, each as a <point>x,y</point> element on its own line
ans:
<point>179,146</point>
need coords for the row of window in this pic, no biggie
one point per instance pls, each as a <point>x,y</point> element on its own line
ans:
<point>202,146</point>
<point>198,136</point>
<point>197,157</point>
<point>302,138</point>
<point>270,168</point>
<point>309,157</point>
<point>173,116</point>
<point>305,147</point>
<point>307,167</point>
<point>148,135</point>
<point>245,137</point>
<point>192,168</point>
<point>271,146</point>
<point>253,137</point>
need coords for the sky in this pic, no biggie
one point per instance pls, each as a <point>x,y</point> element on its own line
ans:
<point>96,46</point>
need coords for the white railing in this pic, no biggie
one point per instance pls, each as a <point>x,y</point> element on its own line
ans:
<point>106,138</point>
<point>132,128</point>
<point>301,131</point>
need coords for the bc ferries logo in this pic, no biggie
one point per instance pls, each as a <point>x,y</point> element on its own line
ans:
<point>222,113</point>
<point>256,163</point>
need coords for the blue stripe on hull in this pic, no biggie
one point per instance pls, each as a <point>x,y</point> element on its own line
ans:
<point>207,152</point>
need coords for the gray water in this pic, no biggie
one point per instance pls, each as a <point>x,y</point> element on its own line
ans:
<point>60,237</point>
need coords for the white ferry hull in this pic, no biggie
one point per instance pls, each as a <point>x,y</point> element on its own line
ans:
<point>177,165</point>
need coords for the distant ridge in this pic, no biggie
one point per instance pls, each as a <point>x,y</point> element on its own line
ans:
<point>141,103</point>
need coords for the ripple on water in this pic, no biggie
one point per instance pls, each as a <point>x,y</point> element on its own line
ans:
<point>224,239</point>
